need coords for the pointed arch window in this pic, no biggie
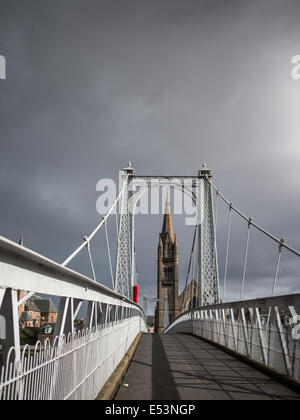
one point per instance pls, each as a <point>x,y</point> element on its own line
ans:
<point>168,272</point>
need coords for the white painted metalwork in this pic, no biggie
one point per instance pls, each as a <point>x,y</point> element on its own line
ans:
<point>75,365</point>
<point>200,189</point>
<point>91,236</point>
<point>124,266</point>
<point>208,280</point>
<point>260,329</point>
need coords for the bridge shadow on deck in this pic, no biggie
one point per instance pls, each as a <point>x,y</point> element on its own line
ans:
<point>183,367</point>
<point>163,385</point>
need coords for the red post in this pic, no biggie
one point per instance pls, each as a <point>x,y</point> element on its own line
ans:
<point>136,293</point>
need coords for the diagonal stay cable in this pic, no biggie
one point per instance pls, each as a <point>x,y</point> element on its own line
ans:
<point>109,257</point>
<point>88,238</point>
<point>189,267</point>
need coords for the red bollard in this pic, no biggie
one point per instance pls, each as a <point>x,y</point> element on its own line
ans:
<point>136,293</point>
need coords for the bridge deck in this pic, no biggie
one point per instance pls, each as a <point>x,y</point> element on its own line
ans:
<point>183,367</point>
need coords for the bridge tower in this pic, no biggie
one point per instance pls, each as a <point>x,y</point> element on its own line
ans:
<point>167,272</point>
<point>208,277</point>
<point>199,189</point>
<point>125,257</point>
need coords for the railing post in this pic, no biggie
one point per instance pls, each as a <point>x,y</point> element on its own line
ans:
<point>9,311</point>
<point>262,337</point>
<point>246,337</point>
<point>284,346</point>
<point>65,320</point>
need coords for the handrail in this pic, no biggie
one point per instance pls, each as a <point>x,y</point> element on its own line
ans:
<point>280,301</point>
<point>22,268</point>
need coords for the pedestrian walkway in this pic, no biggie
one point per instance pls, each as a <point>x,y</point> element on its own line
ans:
<point>183,367</point>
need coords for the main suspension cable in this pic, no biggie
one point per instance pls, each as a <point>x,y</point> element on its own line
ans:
<point>255,225</point>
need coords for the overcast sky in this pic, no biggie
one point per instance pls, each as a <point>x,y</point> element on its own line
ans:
<point>167,85</point>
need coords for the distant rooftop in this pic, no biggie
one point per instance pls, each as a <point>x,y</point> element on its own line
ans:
<point>37,304</point>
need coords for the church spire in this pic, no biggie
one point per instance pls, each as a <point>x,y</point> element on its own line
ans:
<point>168,222</point>
<point>167,273</point>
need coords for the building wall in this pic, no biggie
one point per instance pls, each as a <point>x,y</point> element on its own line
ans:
<point>21,294</point>
<point>188,298</point>
<point>39,317</point>
<point>49,317</point>
<point>167,280</point>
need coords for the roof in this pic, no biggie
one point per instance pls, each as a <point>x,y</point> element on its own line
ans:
<point>41,305</point>
<point>25,316</point>
<point>32,306</point>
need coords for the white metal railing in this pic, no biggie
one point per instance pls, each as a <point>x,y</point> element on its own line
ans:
<point>265,330</point>
<point>73,368</point>
<point>75,365</point>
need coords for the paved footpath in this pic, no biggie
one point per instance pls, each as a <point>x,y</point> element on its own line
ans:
<point>183,367</point>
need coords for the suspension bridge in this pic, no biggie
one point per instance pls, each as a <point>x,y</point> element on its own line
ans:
<point>214,349</point>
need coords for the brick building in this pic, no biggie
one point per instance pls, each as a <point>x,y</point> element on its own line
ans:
<point>36,311</point>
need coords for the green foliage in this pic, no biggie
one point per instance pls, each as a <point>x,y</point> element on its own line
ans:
<point>29,335</point>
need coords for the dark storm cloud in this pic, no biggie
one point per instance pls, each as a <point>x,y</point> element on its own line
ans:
<point>167,85</point>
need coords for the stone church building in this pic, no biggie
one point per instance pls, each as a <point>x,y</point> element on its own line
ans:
<point>167,277</point>
<point>167,272</point>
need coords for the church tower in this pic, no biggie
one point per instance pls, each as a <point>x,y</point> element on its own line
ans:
<point>167,272</point>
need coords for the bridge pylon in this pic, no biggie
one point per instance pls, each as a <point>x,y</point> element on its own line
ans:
<point>125,262</point>
<point>196,186</point>
<point>208,278</point>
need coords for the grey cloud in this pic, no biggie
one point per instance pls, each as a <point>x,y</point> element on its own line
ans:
<point>166,85</point>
